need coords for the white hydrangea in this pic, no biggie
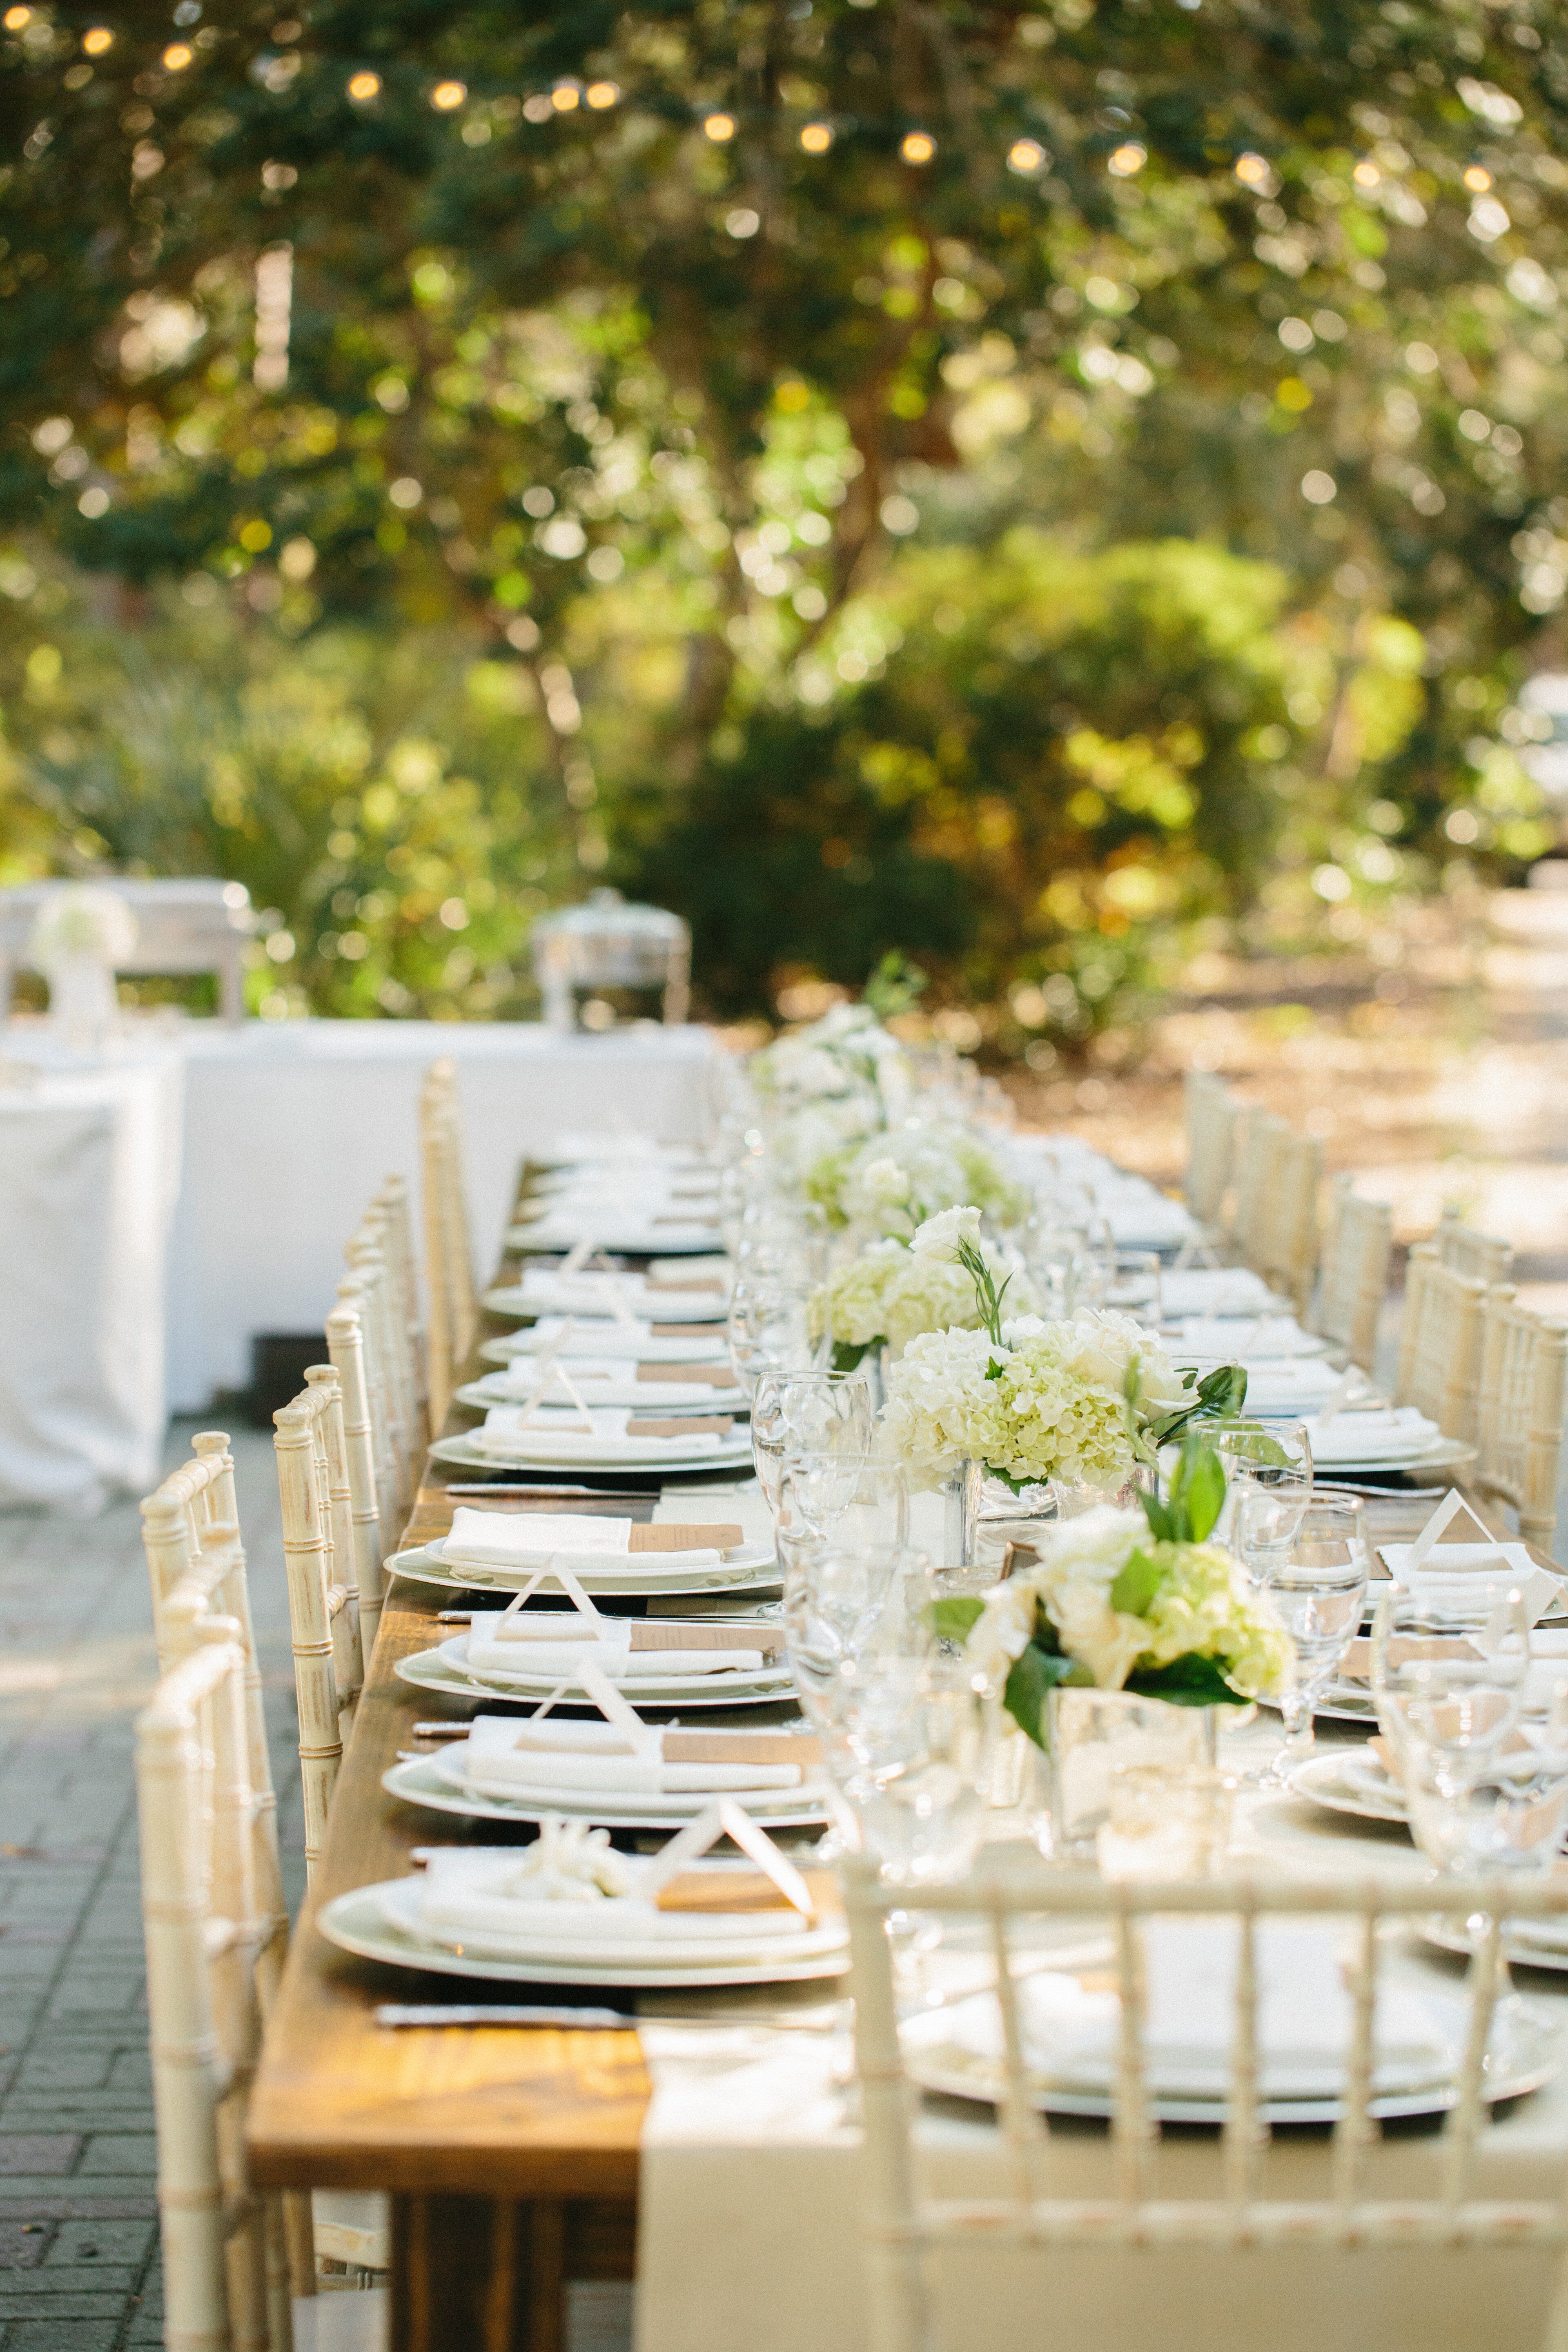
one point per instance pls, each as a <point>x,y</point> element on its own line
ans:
<point>894,1182</point>
<point>889,1295</point>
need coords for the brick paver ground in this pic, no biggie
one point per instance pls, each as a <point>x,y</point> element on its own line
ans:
<point>78,2268</point>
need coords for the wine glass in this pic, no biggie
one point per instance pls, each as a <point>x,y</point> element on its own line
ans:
<point>1317,1587</point>
<point>768,1328</point>
<point>1258,1455</point>
<point>1448,1705</point>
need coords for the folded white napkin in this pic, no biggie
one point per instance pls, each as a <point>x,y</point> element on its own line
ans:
<point>469,1896</point>
<point>1400,1433</point>
<point>594,1758</point>
<point>544,1291</point>
<point>524,1541</point>
<point>1214,1290</point>
<point>558,1438</point>
<point>550,1336</point>
<point>607,1381</point>
<point>1304,2023</point>
<point>554,1641</point>
<point>1240,1338</point>
<point>1279,1388</point>
<point>1151,1223</point>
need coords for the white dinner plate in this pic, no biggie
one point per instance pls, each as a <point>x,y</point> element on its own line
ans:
<point>477,1398</point>
<point>422,1782</point>
<point>438,1670</point>
<point>1349,1781</point>
<point>645,1309</point>
<point>357,1923</point>
<point>1526,1943</point>
<point>517,1346</point>
<point>572,1946</point>
<point>734,1452</point>
<point>750,1570</point>
<point>1441,1460</point>
<point>629,1241</point>
<point>1521,2057</point>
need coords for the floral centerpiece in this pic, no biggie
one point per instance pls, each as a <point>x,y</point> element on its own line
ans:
<point>892,1184</point>
<point>830,1086</point>
<point>1087,1400</point>
<point>1128,1601</point>
<point>893,1291</point>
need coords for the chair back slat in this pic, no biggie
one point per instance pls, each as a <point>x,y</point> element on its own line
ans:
<point>329,1665</point>
<point>1132,2127</point>
<point>1353,1279</point>
<point>1211,1112</point>
<point>1479,1257</point>
<point>448,1252</point>
<point>391,1202</point>
<point>1355,2129</point>
<point>1440,1343</point>
<point>1245,2129</point>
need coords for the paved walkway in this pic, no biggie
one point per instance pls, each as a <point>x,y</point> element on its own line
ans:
<point>79,2269</point>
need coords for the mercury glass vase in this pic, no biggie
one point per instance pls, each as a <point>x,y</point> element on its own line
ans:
<point>1093,1734</point>
<point>982,1518</point>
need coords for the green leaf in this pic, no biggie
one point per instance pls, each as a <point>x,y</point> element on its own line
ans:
<point>1136,1585</point>
<point>1204,1490</point>
<point>1031,1682</point>
<point>1223,1393</point>
<point>1190,1681</point>
<point>955,1617</point>
<point>846,1356</point>
<point>1158,1517</point>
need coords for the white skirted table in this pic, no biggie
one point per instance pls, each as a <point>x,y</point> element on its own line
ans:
<point>89,1167</point>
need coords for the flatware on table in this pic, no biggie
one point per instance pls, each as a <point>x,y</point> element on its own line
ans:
<point>587,2021</point>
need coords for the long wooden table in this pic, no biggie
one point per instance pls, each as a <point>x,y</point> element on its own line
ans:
<point>511,2155</point>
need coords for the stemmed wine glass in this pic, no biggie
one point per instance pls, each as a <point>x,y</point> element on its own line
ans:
<point>1316,1584</point>
<point>807,1413</point>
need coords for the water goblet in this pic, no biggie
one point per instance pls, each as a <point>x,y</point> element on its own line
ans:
<point>1318,1588</point>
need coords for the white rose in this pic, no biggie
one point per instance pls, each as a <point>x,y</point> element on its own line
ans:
<point>940,1235</point>
<point>1106,1344</point>
<point>1099,1637</point>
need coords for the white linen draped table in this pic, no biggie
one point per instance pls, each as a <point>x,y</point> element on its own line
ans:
<point>88,1173</point>
<point>291,1126</point>
<point>749,2194</point>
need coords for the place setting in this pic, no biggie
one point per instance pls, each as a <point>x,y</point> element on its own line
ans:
<point>507,1548</point>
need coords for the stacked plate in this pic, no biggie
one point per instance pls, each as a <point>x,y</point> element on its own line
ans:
<point>614,1380</point>
<point>507,1549</point>
<point>572,1342</point>
<point>474,1913</point>
<point>585,1770</point>
<point>589,1297</point>
<point>612,1438</point>
<point>663,1662</point>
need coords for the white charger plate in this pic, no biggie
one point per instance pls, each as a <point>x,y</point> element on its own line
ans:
<point>629,1241</point>
<point>726,1453</point>
<point>514,1302</point>
<point>421,1781</point>
<point>400,1905</point>
<point>436,1670</point>
<point>357,1923</point>
<point>1523,2056</point>
<point>1441,1459</point>
<point>517,1346</point>
<point>748,1568</point>
<point>1527,1944</point>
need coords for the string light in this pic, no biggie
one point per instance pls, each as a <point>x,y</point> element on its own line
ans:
<point>600,94</point>
<point>1366,175</point>
<point>449,94</point>
<point>719,127</point>
<point>16,17</point>
<point>816,138</point>
<point>95,41</point>
<point>564,97</point>
<point>363,86</point>
<point>917,147</point>
<point>178,57</point>
<point>1477,178</point>
<point>1025,155</point>
<point>1129,157</point>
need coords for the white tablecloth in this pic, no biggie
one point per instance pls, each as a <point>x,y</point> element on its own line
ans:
<point>748,2228</point>
<point>89,1173</point>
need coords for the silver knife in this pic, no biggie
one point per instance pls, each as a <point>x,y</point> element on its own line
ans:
<point>590,2021</point>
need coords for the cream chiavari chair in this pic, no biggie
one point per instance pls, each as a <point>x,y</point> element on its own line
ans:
<point>346,1347</point>
<point>392,1205</point>
<point>318,1558</point>
<point>1440,1343</point>
<point>1211,1115</point>
<point>224,2255</point>
<point>1519,1421</point>
<point>1482,1257</point>
<point>1254,1150</point>
<point>367,1264</point>
<point>1353,1277</point>
<point>1275,1221</point>
<point>448,1252</point>
<point>356,1296</point>
<point>1035,2205</point>
<point>212,1959</point>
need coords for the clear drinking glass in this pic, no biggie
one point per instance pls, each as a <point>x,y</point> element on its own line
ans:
<point>769,1330</point>
<point>1266,1522</point>
<point>807,1413</point>
<point>1318,1588</point>
<point>1450,1707</point>
<point>1257,1453</point>
<point>860,1500</point>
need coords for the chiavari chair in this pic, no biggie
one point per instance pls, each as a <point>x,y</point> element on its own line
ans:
<point>1254,1149</point>
<point>1354,1276</point>
<point>1519,1419</point>
<point>1279,1176</point>
<point>448,1256</point>
<point>391,1203</point>
<point>1440,1343</point>
<point>1033,2209</point>
<point>319,1559</point>
<point>1481,1258</point>
<point>345,1348</point>
<point>228,2251</point>
<point>367,1264</point>
<point>1211,1113</point>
